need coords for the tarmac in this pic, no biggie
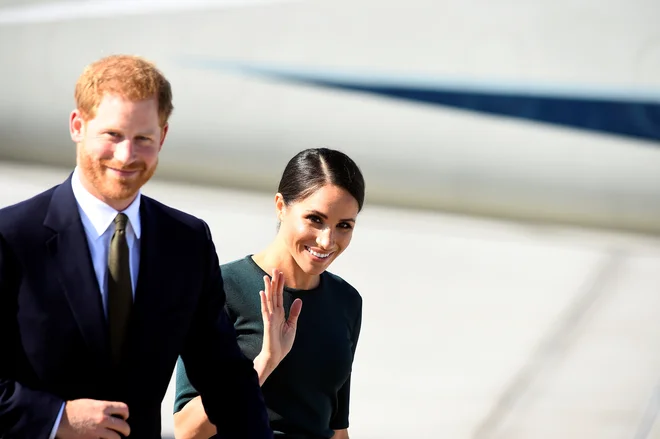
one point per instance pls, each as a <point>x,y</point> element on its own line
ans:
<point>472,328</point>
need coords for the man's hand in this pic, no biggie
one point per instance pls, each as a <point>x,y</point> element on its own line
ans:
<point>91,419</point>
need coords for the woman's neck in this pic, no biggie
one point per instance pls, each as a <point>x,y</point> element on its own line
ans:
<point>277,256</point>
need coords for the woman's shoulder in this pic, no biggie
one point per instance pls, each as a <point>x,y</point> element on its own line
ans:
<point>340,286</point>
<point>346,296</point>
<point>238,269</point>
<point>240,278</point>
<point>240,263</point>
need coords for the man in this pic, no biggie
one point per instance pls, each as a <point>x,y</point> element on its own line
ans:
<point>102,288</point>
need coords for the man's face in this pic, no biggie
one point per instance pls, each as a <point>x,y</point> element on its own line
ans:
<point>118,149</point>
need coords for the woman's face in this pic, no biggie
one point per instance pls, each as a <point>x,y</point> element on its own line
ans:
<point>318,228</point>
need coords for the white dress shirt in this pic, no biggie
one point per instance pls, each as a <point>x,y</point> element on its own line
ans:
<point>98,222</point>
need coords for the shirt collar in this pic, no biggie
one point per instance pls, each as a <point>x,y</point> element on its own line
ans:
<point>99,213</point>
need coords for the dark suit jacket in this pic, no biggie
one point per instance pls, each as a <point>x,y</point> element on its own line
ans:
<point>53,341</point>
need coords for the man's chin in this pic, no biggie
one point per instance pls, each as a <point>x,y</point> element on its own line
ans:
<point>117,186</point>
<point>121,191</point>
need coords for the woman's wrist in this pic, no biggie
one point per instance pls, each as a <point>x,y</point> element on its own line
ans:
<point>264,365</point>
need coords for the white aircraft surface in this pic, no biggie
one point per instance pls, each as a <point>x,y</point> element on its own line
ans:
<point>542,110</point>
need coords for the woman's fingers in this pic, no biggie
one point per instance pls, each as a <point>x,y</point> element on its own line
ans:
<point>264,306</point>
<point>294,313</point>
<point>272,299</point>
<point>268,290</point>
<point>279,295</point>
<point>277,290</point>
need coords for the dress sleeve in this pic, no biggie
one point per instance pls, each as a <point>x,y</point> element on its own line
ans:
<point>339,420</point>
<point>184,391</point>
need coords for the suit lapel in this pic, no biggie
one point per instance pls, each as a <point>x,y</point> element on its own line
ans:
<point>151,287</point>
<point>70,256</point>
<point>153,252</point>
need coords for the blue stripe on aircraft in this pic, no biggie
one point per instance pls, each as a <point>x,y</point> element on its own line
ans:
<point>634,119</point>
<point>629,113</point>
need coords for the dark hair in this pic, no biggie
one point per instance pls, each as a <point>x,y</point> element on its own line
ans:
<point>313,168</point>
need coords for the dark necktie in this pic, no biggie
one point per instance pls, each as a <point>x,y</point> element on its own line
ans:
<point>120,291</point>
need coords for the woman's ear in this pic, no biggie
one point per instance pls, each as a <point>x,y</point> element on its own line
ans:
<point>280,206</point>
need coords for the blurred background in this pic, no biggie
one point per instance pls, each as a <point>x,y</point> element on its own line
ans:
<point>509,251</point>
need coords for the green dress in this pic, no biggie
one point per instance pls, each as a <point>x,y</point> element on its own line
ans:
<point>308,394</point>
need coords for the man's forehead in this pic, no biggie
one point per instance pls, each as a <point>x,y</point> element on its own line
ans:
<point>122,122</point>
<point>116,99</point>
<point>119,107</point>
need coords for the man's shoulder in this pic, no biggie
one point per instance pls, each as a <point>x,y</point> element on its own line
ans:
<point>176,217</point>
<point>27,214</point>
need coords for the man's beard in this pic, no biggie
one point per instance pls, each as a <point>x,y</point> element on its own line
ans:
<point>111,187</point>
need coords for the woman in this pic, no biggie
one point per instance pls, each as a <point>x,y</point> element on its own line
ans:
<point>306,384</point>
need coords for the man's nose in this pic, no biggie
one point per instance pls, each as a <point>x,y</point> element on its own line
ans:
<point>124,151</point>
